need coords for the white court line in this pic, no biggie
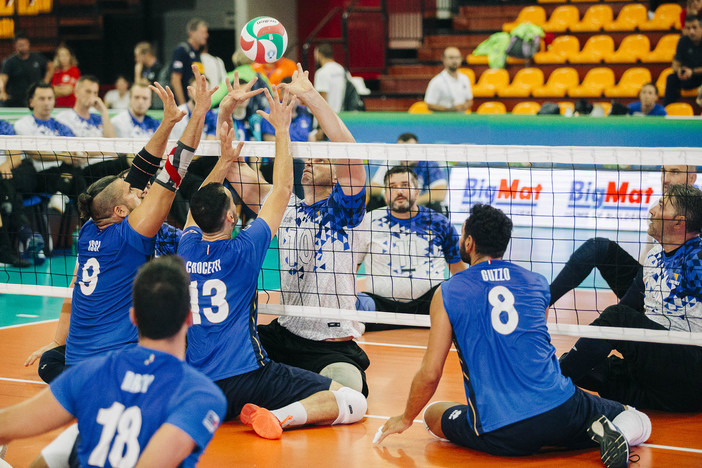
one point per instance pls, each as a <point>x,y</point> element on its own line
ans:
<point>7,379</point>
<point>27,324</point>
<point>27,315</point>
<point>392,345</point>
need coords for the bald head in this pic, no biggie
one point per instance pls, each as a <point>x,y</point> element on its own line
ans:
<point>452,59</point>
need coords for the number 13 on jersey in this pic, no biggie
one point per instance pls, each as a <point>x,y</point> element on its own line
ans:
<point>216,290</point>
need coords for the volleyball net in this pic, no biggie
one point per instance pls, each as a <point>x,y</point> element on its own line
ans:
<point>557,198</point>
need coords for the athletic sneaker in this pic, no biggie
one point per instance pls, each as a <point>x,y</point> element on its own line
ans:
<point>263,422</point>
<point>614,449</point>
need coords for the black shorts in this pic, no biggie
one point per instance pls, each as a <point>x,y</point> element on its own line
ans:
<point>288,348</point>
<point>272,386</point>
<point>564,426</point>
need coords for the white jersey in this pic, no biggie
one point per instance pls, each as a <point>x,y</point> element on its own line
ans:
<point>331,79</point>
<point>446,91</point>
<point>128,126</point>
<point>90,127</point>
<point>405,258</point>
<point>318,262</point>
<point>31,126</point>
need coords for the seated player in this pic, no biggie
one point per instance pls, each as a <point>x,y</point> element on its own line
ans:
<point>647,103</point>
<point>133,122</point>
<point>223,342</point>
<point>518,400</point>
<point>659,376</point>
<point>408,249</point>
<point>141,404</point>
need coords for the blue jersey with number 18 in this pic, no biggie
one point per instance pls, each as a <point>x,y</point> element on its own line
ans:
<point>122,399</point>
<point>497,311</point>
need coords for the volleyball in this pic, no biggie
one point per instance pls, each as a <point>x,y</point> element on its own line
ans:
<point>264,39</point>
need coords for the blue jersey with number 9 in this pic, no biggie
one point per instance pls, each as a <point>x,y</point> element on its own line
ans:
<point>497,311</point>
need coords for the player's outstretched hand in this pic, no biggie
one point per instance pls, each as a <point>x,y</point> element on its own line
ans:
<point>238,94</point>
<point>394,425</point>
<point>281,112</point>
<point>230,154</point>
<point>171,113</point>
<point>300,86</point>
<point>200,91</point>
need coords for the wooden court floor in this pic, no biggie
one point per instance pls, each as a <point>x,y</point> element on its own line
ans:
<point>395,355</point>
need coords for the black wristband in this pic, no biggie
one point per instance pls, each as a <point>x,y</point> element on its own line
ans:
<point>143,168</point>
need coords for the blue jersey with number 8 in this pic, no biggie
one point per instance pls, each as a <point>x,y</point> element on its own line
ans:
<point>497,311</point>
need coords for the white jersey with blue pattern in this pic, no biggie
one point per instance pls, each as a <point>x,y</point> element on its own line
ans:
<point>86,128</point>
<point>31,126</point>
<point>128,126</point>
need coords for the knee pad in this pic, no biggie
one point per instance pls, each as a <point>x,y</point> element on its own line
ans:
<point>57,453</point>
<point>52,363</point>
<point>345,373</point>
<point>352,405</point>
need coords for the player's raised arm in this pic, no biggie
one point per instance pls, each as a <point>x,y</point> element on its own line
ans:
<point>281,113</point>
<point>236,96</point>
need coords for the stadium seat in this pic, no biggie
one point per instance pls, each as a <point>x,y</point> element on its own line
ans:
<point>595,49</point>
<point>660,82</point>
<point>679,108</point>
<point>629,84</point>
<point>477,59</point>
<point>632,49</point>
<point>533,14</point>
<point>665,49</point>
<point>490,81</point>
<point>606,106</point>
<point>629,18</point>
<point>560,80</point>
<point>561,48</point>
<point>562,18</point>
<point>491,107</point>
<point>551,1</point>
<point>469,73</point>
<point>594,19</point>
<point>566,107</point>
<point>667,16</point>
<point>526,108</point>
<point>419,107</point>
<point>524,81</point>
<point>594,83</point>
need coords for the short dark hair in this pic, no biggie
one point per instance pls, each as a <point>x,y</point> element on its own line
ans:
<point>161,297</point>
<point>401,170</point>
<point>407,137</point>
<point>490,229</point>
<point>325,50</point>
<point>91,78</point>
<point>20,35</point>
<point>195,23</point>
<point>87,208</point>
<point>33,88</point>
<point>687,200</point>
<point>208,207</point>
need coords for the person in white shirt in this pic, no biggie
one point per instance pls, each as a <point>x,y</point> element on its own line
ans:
<point>133,122</point>
<point>118,98</point>
<point>449,91</point>
<point>330,78</point>
<point>79,118</point>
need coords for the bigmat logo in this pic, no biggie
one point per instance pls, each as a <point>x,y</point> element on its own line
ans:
<point>612,196</point>
<point>479,190</point>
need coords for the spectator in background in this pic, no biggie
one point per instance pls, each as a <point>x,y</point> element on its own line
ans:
<point>133,122</point>
<point>692,8</point>
<point>687,63</point>
<point>66,73</point>
<point>449,91</point>
<point>330,77</point>
<point>118,98</point>
<point>647,104</point>
<point>276,71</point>
<point>19,71</point>
<point>79,119</point>
<point>186,55</point>
<point>146,65</point>
<point>214,68</point>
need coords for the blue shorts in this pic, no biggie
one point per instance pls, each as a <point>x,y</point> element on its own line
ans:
<point>564,427</point>
<point>273,386</point>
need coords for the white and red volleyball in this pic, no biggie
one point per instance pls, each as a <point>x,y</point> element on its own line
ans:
<point>264,39</point>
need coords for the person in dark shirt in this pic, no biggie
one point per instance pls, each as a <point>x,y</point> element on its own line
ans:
<point>185,56</point>
<point>687,63</point>
<point>21,70</point>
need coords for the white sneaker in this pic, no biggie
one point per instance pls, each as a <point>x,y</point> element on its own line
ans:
<point>58,202</point>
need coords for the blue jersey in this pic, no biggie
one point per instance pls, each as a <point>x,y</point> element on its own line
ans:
<point>300,126</point>
<point>167,239</point>
<point>635,109</point>
<point>122,399</point>
<point>223,341</point>
<point>108,260</point>
<point>6,128</point>
<point>497,311</point>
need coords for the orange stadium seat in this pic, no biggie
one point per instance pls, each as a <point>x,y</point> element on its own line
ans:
<point>595,49</point>
<point>477,59</point>
<point>667,16</point>
<point>562,18</point>
<point>606,106</point>
<point>469,73</point>
<point>560,80</point>
<point>491,107</point>
<point>7,8</point>
<point>419,107</point>
<point>550,1</point>
<point>526,108</point>
<point>566,107</point>
<point>490,81</point>
<point>533,14</point>
<point>561,48</point>
<point>524,81</point>
<point>594,83</point>
<point>629,18</point>
<point>632,48</point>
<point>630,83</point>
<point>679,108</point>
<point>660,82</point>
<point>594,19</point>
<point>665,49</point>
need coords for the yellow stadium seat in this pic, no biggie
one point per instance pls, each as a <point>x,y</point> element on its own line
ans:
<point>606,106</point>
<point>419,107</point>
<point>469,73</point>
<point>667,16</point>
<point>526,108</point>
<point>550,1</point>
<point>594,19</point>
<point>477,59</point>
<point>7,8</point>
<point>491,107</point>
<point>665,49</point>
<point>490,81</point>
<point>533,14</point>
<point>524,81</point>
<point>595,49</point>
<point>566,107</point>
<point>679,108</point>
<point>630,83</point>
<point>560,80</point>
<point>660,82</point>
<point>594,83</point>
<point>632,48</point>
<point>629,18</point>
<point>562,18</point>
<point>561,48</point>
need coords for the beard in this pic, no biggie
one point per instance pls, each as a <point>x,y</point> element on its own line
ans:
<point>464,255</point>
<point>402,206</point>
